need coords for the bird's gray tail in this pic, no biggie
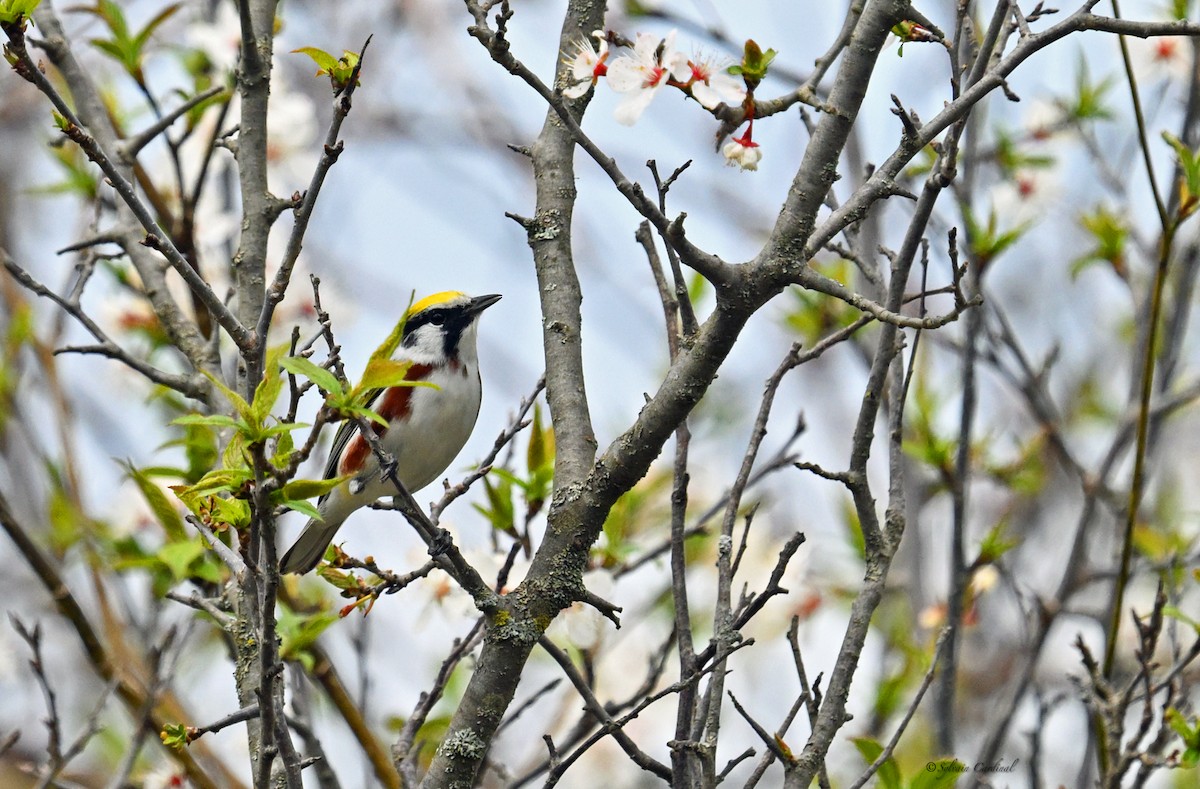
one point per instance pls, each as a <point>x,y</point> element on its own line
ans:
<point>309,547</point>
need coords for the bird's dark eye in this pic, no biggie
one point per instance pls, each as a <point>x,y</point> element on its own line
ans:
<point>437,318</point>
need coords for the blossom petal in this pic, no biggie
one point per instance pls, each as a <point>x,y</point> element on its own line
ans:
<point>626,74</point>
<point>577,90</point>
<point>707,97</point>
<point>583,67</point>
<point>737,154</point>
<point>731,89</point>
<point>632,106</point>
<point>678,67</point>
<point>645,46</point>
<point>668,44</point>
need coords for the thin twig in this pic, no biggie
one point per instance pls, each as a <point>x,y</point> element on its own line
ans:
<point>156,237</point>
<point>639,757</point>
<point>130,147</point>
<point>189,385</point>
<point>890,748</point>
<point>303,213</point>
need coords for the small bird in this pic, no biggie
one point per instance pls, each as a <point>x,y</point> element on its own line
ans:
<point>426,426</point>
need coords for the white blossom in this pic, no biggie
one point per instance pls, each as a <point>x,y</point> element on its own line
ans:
<point>642,74</point>
<point>713,85</point>
<point>587,65</point>
<point>742,153</point>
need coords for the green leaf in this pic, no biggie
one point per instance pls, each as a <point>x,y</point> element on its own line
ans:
<point>179,556</point>
<point>508,477</point>
<point>281,429</point>
<point>223,480</point>
<point>814,315</point>
<point>1189,733</point>
<point>351,411</point>
<point>155,22</point>
<point>889,773</point>
<point>339,69</point>
<point>175,735</point>
<point>235,399</point>
<point>200,446</point>
<point>1109,232</point>
<point>210,420</point>
<point>499,512</point>
<point>267,392</point>
<point>112,14</point>
<point>535,456</point>
<point>325,380</point>
<point>988,241</point>
<point>112,49</point>
<point>755,63</point>
<point>1175,613</point>
<point>339,578</point>
<point>166,514</point>
<point>1189,176</point>
<point>854,532</point>
<point>382,373</point>
<point>17,12</point>
<point>304,508</point>
<point>284,448</point>
<point>1090,99</point>
<point>297,633</point>
<point>325,61</point>
<point>994,545</point>
<point>67,523</point>
<point>310,488</point>
<point>234,454</point>
<point>890,694</point>
<point>1013,157</point>
<point>1178,722</point>
<point>380,366</point>
<point>234,513</point>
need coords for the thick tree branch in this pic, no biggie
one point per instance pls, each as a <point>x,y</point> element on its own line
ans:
<point>258,204</point>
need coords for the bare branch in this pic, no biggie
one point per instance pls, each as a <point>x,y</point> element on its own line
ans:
<point>331,151</point>
<point>641,759</point>
<point>890,748</point>
<point>189,385</point>
<point>130,147</point>
<point>156,238</point>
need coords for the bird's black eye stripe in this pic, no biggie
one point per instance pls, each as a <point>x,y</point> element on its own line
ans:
<point>436,316</point>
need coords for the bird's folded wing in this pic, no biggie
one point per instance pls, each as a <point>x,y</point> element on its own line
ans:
<point>347,431</point>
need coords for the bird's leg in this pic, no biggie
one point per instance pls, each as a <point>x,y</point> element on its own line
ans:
<point>387,469</point>
<point>387,472</point>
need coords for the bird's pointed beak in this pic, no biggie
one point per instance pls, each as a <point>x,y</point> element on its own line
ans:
<point>481,303</point>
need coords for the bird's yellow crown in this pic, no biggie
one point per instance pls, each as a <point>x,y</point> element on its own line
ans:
<point>436,299</point>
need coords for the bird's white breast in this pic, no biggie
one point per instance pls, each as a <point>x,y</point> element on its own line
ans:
<point>439,423</point>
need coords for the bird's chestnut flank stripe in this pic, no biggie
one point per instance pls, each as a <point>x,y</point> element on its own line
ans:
<point>394,405</point>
